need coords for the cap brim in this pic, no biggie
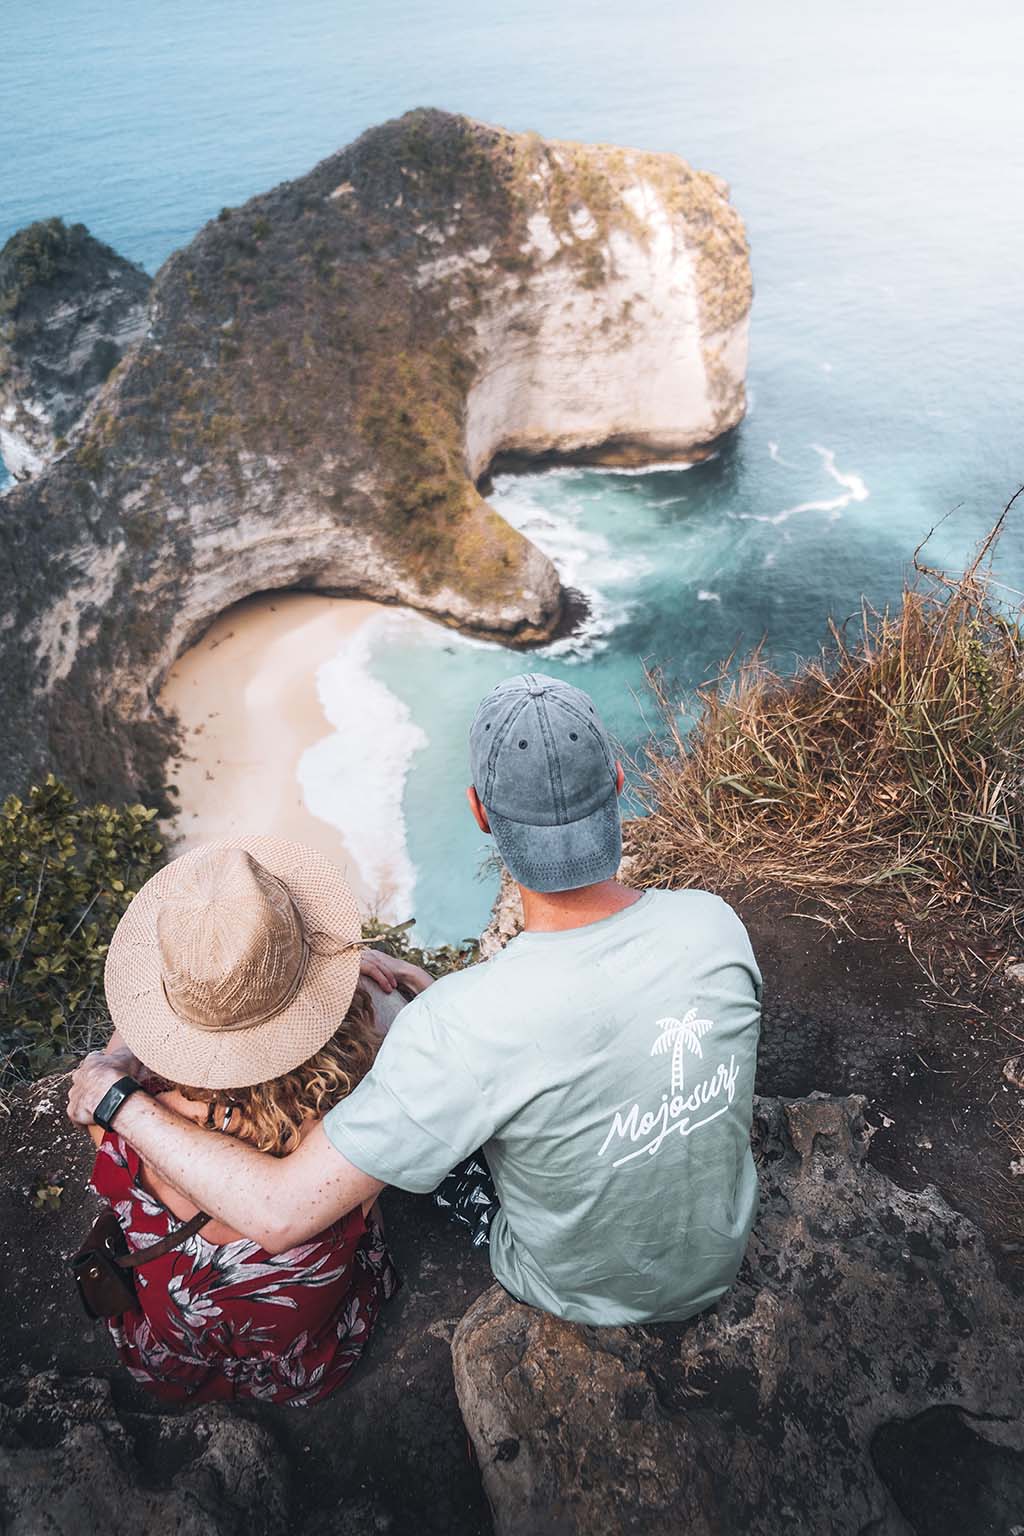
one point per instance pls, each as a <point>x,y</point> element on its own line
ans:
<point>563,858</point>
<point>197,1058</point>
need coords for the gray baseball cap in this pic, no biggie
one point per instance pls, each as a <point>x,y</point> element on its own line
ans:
<point>545,772</point>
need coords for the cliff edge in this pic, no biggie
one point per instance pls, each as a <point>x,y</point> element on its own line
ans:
<point>324,379</point>
<point>70,307</point>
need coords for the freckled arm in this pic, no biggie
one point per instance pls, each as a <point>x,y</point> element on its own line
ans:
<point>276,1201</point>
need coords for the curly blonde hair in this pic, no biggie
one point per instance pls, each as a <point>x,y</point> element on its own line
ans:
<point>271,1115</point>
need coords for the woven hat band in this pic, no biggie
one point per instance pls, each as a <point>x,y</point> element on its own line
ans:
<point>225,1025</point>
<point>318,943</point>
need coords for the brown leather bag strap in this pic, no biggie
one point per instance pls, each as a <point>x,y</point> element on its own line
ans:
<point>166,1244</point>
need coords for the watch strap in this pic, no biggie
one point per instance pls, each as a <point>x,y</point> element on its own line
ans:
<point>112,1100</point>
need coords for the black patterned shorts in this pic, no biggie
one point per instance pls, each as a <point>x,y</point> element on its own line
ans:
<point>467,1195</point>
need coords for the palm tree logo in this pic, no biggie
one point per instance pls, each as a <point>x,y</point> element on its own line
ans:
<point>678,1035</point>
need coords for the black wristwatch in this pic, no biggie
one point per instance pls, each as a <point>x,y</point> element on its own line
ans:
<point>112,1100</point>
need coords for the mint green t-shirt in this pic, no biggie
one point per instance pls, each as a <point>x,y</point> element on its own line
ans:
<point>608,1074</point>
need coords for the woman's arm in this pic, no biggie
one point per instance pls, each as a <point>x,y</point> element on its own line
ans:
<point>276,1201</point>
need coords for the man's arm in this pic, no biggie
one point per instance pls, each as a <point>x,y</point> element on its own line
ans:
<point>276,1201</point>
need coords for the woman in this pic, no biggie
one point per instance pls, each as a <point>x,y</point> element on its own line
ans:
<point>234,976</point>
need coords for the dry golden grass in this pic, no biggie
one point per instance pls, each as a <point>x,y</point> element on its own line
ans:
<point>892,765</point>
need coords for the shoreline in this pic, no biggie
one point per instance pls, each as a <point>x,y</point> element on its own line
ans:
<point>250,708</point>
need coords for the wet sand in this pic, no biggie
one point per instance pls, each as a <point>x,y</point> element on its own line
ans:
<point>247,698</point>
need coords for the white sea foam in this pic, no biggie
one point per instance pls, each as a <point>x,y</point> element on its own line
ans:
<point>660,468</point>
<point>703,596</point>
<point>355,778</point>
<point>854,489</point>
<point>584,560</point>
<point>576,471</point>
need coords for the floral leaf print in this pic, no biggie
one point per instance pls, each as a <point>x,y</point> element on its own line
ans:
<point>350,1324</point>
<point>227,1270</point>
<point>114,1149</point>
<point>142,1239</point>
<point>148,1204</point>
<point>232,1321</point>
<point>196,1309</point>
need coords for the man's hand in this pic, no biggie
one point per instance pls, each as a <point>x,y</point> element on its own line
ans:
<point>389,973</point>
<point>93,1076</point>
<point>133,1067</point>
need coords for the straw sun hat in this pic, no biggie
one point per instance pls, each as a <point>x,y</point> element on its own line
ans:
<point>235,963</point>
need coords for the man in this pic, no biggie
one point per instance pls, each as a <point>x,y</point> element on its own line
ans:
<point>604,1061</point>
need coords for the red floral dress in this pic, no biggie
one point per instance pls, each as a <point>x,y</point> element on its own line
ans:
<point>235,1321</point>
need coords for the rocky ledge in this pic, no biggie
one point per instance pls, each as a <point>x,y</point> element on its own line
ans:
<point>862,1375</point>
<point>326,376</point>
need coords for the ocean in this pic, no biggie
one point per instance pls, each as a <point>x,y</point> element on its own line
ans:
<point>876,153</point>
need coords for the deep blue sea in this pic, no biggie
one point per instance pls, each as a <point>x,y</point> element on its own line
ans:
<point>876,153</point>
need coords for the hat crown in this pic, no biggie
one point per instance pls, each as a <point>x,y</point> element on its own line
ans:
<point>539,753</point>
<point>231,941</point>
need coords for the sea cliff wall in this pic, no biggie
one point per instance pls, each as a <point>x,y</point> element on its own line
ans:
<point>70,308</point>
<point>322,381</point>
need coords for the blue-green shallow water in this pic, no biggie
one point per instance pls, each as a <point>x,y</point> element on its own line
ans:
<point>876,154</point>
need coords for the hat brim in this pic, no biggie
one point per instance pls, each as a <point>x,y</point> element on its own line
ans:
<point>238,1058</point>
<point>563,858</point>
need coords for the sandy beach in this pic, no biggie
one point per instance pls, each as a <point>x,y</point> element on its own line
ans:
<point>248,701</point>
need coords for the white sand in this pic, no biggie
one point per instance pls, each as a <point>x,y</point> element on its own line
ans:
<point>247,698</point>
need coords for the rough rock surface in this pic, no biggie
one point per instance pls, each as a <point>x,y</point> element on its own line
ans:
<point>71,1465</point>
<point>506,918</point>
<point>386,1454</point>
<point>863,1375</point>
<point>327,373</point>
<point>70,308</point>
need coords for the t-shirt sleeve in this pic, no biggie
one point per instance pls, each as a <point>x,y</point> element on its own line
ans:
<point>418,1112</point>
<point>736,938</point>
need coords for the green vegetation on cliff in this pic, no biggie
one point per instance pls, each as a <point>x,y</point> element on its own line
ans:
<point>439,961</point>
<point>67,873</point>
<point>36,256</point>
<point>889,767</point>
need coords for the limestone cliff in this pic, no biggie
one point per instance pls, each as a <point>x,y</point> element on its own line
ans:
<point>69,309</point>
<point>326,376</point>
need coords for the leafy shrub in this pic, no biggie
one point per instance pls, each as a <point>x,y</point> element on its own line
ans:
<point>67,873</point>
<point>439,962</point>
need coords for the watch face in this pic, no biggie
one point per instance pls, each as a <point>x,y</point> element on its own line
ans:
<point>112,1100</point>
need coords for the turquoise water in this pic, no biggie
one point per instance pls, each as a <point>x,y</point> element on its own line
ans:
<point>877,155</point>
